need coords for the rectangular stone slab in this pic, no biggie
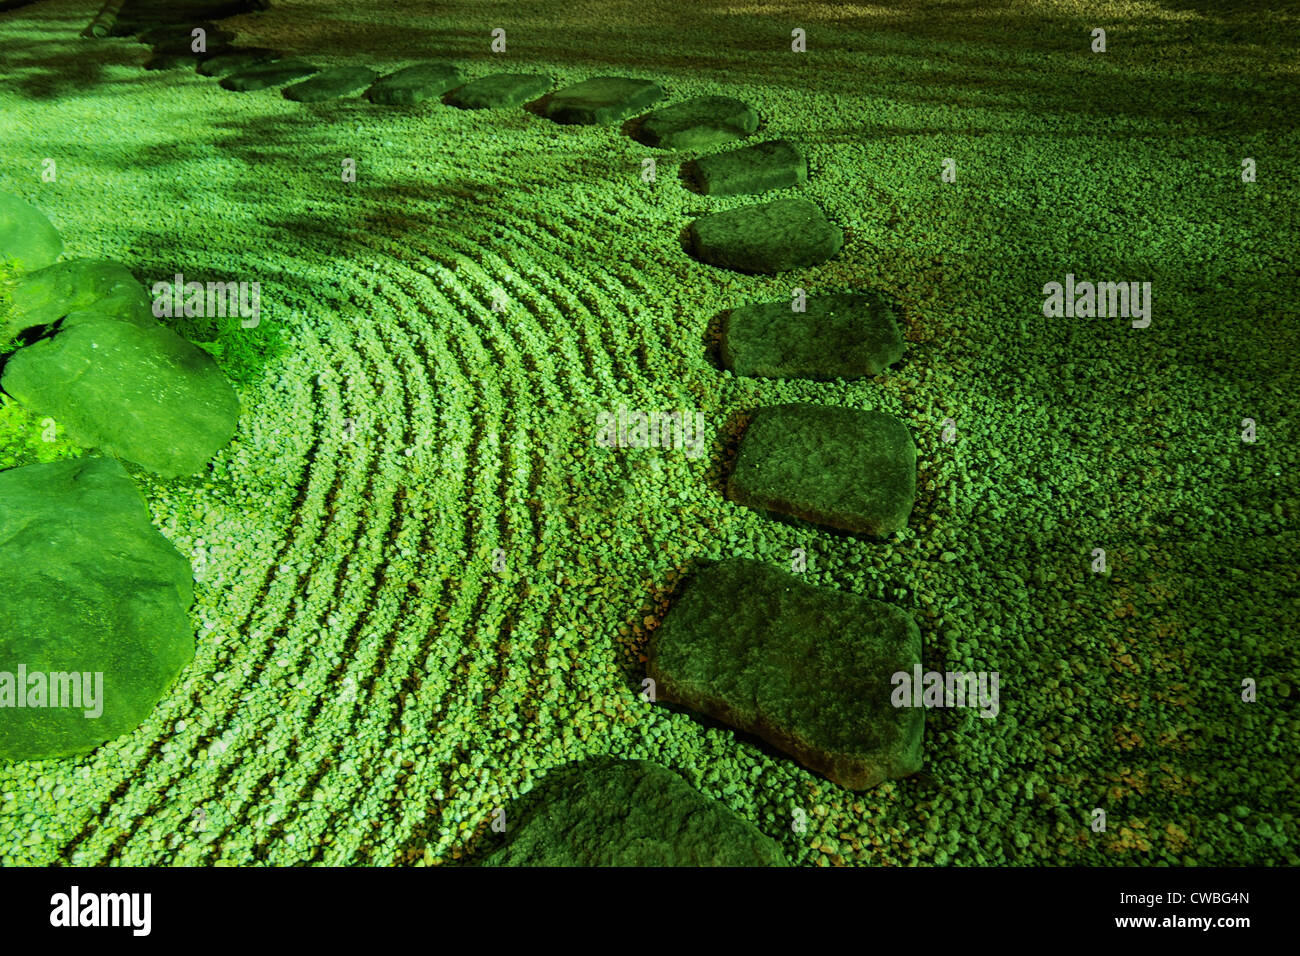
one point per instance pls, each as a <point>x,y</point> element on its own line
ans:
<point>775,164</point>
<point>836,336</point>
<point>500,90</point>
<point>601,100</point>
<point>840,467</point>
<point>264,75</point>
<point>807,669</point>
<point>414,84</point>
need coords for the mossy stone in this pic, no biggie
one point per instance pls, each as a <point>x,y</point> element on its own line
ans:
<point>807,669</point>
<point>767,238</point>
<point>26,236</point>
<point>844,468</point>
<point>414,84</point>
<point>607,812</point>
<point>602,100</point>
<point>836,336</point>
<point>330,84</point>
<point>698,123</point>
<point>90,586</point>
<point>46,295</point>
<point>500,90</point>
<point>776,164</point>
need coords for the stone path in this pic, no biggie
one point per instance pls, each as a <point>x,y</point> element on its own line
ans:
<point>807,669</point>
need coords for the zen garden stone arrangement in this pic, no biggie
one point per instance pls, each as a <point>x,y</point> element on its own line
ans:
<point>746,645</point>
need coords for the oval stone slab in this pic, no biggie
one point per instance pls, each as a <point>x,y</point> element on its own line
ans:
<point>90,588</point>
<point>698,123</point>
<point>414,84</point>
<point>601,100</point>
<point>264,75</point>
<point>26,235</point>
<point>844,468</point>
<point>767,238</point>
<point>836,336</point>
<point>142,393</point>
<point>500,90</point>
<point>330,84</point>
<point>776,164</point>
<point>610,812</point>
<point>809,670</point>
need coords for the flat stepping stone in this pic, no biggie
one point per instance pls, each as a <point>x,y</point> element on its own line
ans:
<point>500,90</point>
<point>807,669</point>
<point>836,336</point>
<point>90,587</point>
<point>608,812</point>
<point>414,84</point>
<point>776,164</point>
<point>602,100</point>
<point>26,236</point>
<point>698,123</point>
<point>264,75</point>
<point>174,33</point>
<point>140,392</point>
<point>43,297</point>
<point>843,468</point>
<point>767,238</point>
<point>331,84</point>
<point>238,59</point>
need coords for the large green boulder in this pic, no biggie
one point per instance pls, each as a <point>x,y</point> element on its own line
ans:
<point>140,392</point>
<point>835,336</point>
<point>90,588</point>
<point>767,238</point>
<point>43,297</point>
<point>844,468</point>
<point>810,670</point>
<point>26,236</point>
<point>607,812</point>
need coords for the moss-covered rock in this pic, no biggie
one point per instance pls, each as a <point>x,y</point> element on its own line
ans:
<point>272,73</point>
<point>766,238</point>
<point>27,239</point>
<point>46,295</point>
<point>602,100</point>
<point>806,669</point>
<point>698,123</point>
<point>836,336</point>
<point>90,587</point>
<point>414,84</point>
<point>607,812</point>
<point>331,84</point>
<point>844,468</point>
<point>775,164</point>
<point>500,90</point>
<point>138,391</point>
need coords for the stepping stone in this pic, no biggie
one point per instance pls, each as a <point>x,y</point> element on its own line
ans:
<point>837,336</point>
<point>47,295</point>
<point>609,812</point>
<point>273,73</point>
<point>140,392</point>
<point>807,669</point>
<point>767,238</point>
<point>698,123</point>
<point>415,84</point>
<point>173,33</point>
<point>236,60</point>
<point>843,468</point>
<point>602,100</point>
<point>90,587</point>
<point>26,236</point>
<point>331,84</point>
<point>500,90</point>
<point>776,164</point>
